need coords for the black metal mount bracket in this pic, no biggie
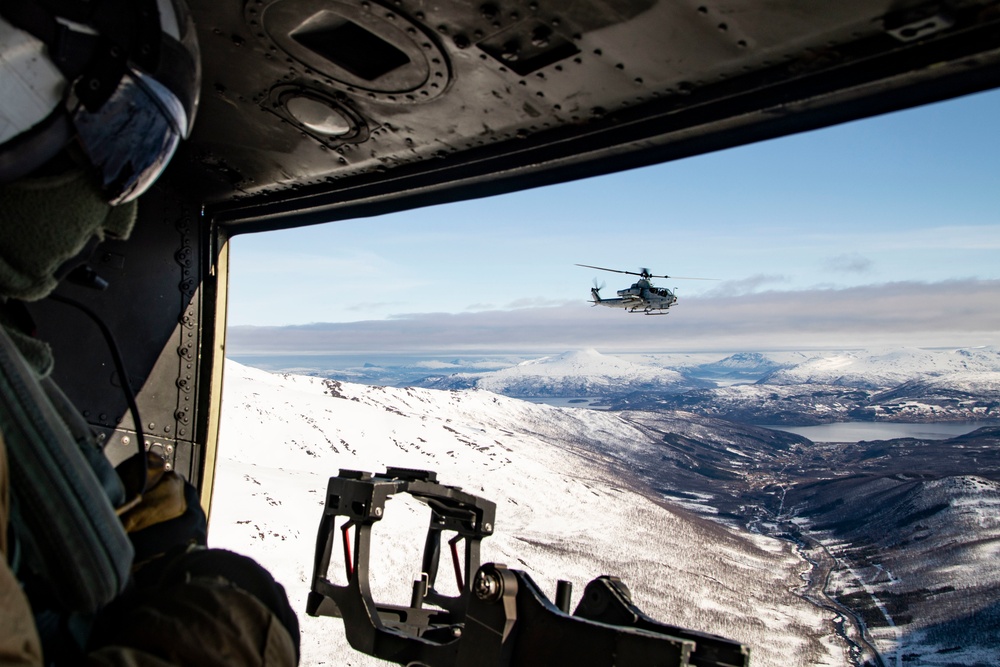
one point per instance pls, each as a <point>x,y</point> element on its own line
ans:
<point>500,617</point>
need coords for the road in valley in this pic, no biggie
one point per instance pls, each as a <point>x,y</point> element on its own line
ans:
<point>850,626</point>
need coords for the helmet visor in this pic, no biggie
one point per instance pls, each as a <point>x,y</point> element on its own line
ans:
<point>130,139</point>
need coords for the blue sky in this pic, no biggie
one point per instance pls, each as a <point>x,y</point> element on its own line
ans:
<point>896,205</point>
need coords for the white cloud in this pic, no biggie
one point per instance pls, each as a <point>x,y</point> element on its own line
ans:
<point>951,313</point>
<point>849,263</point>
<point>747,285</point>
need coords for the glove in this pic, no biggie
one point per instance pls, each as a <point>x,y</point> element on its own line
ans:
<point>167,517</point>
<point>240,571</point>
<point>189,605</point>
<point>207,608</point>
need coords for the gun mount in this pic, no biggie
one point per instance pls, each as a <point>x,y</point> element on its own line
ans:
<point>500,617</point>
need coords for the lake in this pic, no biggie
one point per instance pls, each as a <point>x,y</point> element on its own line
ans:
<point>565,402</point>
<point>840,432</point>
<point>856,431</point>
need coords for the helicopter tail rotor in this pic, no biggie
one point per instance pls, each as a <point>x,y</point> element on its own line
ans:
<point>595,292</point>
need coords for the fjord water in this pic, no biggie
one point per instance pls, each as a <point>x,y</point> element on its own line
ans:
<point>857,431</point>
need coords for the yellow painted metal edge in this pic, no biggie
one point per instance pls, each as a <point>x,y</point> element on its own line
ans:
<point>218,351</point>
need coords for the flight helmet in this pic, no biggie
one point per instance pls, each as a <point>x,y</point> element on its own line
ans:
<point>113,84</point>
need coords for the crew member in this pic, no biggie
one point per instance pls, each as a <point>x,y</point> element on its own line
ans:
<point>100,566</point>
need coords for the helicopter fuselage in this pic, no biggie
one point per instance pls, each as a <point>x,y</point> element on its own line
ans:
<point>641,296</point>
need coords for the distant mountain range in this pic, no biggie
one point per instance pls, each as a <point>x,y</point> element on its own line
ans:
<point>742,366</point>
<point>793,388</point>
<point>571,374</point>
<point>814,554</point>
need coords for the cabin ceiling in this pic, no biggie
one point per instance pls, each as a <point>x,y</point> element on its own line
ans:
<point>321,110</point>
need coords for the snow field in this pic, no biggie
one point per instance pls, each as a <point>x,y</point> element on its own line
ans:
<point>561,513</point>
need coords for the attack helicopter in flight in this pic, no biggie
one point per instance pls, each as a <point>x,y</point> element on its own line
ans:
<point>642,296</point>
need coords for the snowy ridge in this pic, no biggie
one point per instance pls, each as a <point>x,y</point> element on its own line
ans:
<point>743,366</point>
<point>561,512</point>
<point>887,368</point>
<point>905,385</point>
<point>976,383</point>
<point>762,387</point>
<point>577,373</point>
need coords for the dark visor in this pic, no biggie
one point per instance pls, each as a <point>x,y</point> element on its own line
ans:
<point>131,138</point>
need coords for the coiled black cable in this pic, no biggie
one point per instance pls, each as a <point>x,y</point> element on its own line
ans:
<point>116,357</point>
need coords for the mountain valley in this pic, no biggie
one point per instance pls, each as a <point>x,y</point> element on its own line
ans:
<point>879,553</point>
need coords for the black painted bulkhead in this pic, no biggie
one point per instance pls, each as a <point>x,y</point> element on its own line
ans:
<point>164,306</point>
<point>315,110</point>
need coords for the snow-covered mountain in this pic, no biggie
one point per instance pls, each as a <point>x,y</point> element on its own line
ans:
<point>894,541</point>
<point>794,388</point>
<point>887,368</point>
<point>895,385</point>
<point>577,373</point>
<point>566,506</point>
<point>743,366</point>
<point>786,387</point>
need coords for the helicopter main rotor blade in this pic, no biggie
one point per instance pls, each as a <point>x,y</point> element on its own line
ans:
<point>644,274</point>
<point>601,268</point>
<point>647,274</point>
